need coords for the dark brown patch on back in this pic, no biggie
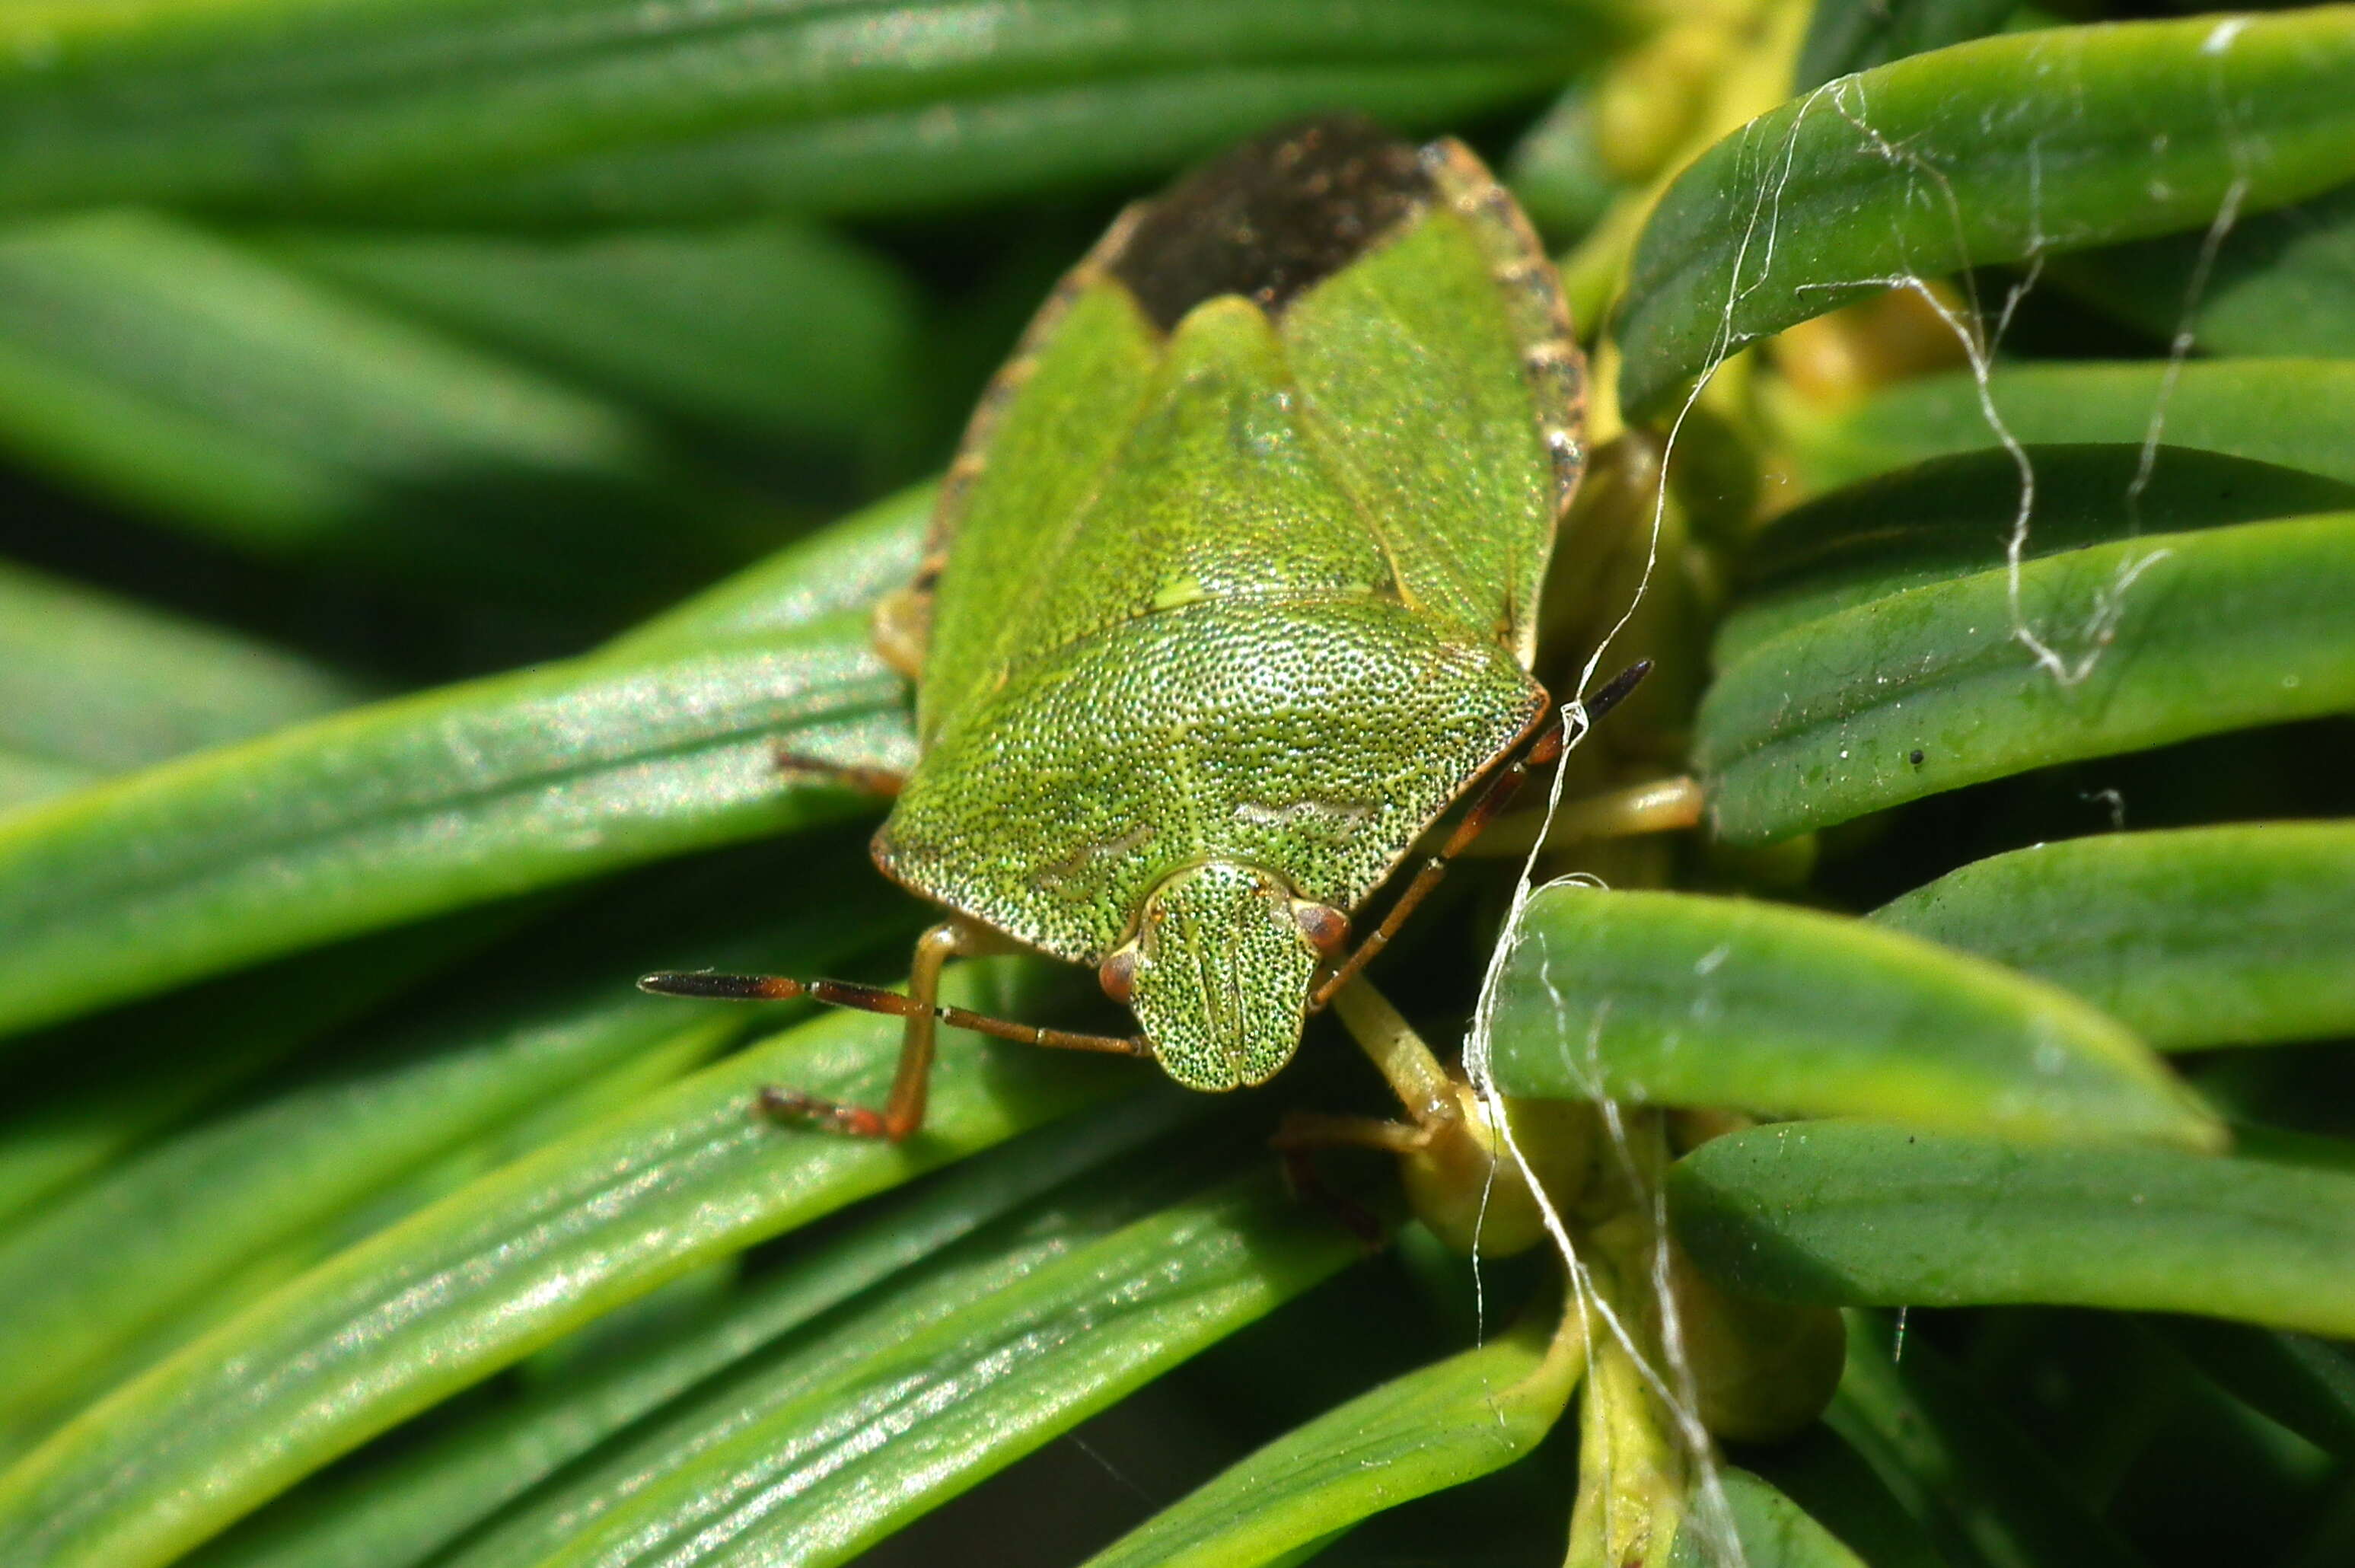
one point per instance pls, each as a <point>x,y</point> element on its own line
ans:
<point>1272,217</point>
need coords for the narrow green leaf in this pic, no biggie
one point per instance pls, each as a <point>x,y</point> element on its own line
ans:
<point>1823,1473</point>
<point>1850,1213</point>
<point>2197,937</point>
<point>102,684</point>
<point>661,743</point>
<point>2124,1388</point>
<point>1050,138</point>
<point>301,1152</point>
<point>834,1355</point>
<point>1448,1423</point>
<point>121,1077</point>
<point>2284,411</point>
<point>1681,999</point>
<point>764,330</point>
<point>2155,640</point>
<point>2277,283</point>
<point>1942,161</point>
<point>26,778</point>
<point>85,1093</point>
<point>566,1108</point>
<point>397,1512</point>
<point>423,804</point>
<point>1972,1477</point>
<point>2307,1384</point>
<point>1845,36</point>
<point>203,384</point>
<point>873,103</point>
<point>1772,1530</point>
<point>820,1478</point>
<point>1952,517</point>
<point>500,1269</point>
<point>846,565</point>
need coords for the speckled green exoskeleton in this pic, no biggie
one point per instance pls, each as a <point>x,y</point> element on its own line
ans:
<point>1231,593</point>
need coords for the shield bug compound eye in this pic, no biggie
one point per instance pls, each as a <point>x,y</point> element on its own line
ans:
<point>1231,592</point>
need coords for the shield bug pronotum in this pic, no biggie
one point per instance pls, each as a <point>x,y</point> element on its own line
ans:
<point>1230,594</point>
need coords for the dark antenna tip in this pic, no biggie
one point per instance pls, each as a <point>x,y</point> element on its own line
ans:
<point>727,988</point>
<point>1615,690</point>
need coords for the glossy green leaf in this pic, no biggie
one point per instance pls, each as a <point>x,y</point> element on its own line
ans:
<point>1772,1530</point>
<point>1977,1483</point>
<point>1852,1213</point>
<point>1846,35</point>
<point>2277,282</point>
<point>846,565</point>
<point>424,1496</point>
<point>302,1150</point>
<point>2197,937</point>
<point>2284,411</point>
<point>426,804</point>
<point>411,807</point>
<point>499,1269</point>
<point>1951,517</point>
<point>2157,639</point>
<point>311,1235</point>
<point>1053,137</point>
<point>832,1355</point>
<point>88,1092</point>
<point>766,331</point>
<point>1681,999</point>
<point>105,684</point>
<point>199,382</point>
<point>893,1414</point>
<point>1942,161</point>
<point>577,108</point>
<point>1448,1423</point>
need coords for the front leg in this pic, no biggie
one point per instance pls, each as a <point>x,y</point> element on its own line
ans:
<point>902,627</point>
<point>1452,1156</point>
<point>903,1109</point>
<point>859,776</point>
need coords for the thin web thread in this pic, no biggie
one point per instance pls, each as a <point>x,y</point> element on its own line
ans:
<point>1714,1515</point>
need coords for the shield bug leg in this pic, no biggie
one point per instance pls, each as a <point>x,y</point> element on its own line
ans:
<point>902,1111</point>
<point>866,779</point>
<point>1449,1149</point>
<point>1302,1130</point>
<point>1301,1133</point>
<point>1547,749</point>
<point>1307,1186</point>
<point>901,627</point>
<point>1657,806</point>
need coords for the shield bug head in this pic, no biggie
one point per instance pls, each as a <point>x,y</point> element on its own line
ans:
<point>1220,972</point>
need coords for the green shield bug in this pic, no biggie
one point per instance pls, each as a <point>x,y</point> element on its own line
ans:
<point>1231,593</point>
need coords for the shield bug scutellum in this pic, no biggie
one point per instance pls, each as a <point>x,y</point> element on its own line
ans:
<point>1229,595</point>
